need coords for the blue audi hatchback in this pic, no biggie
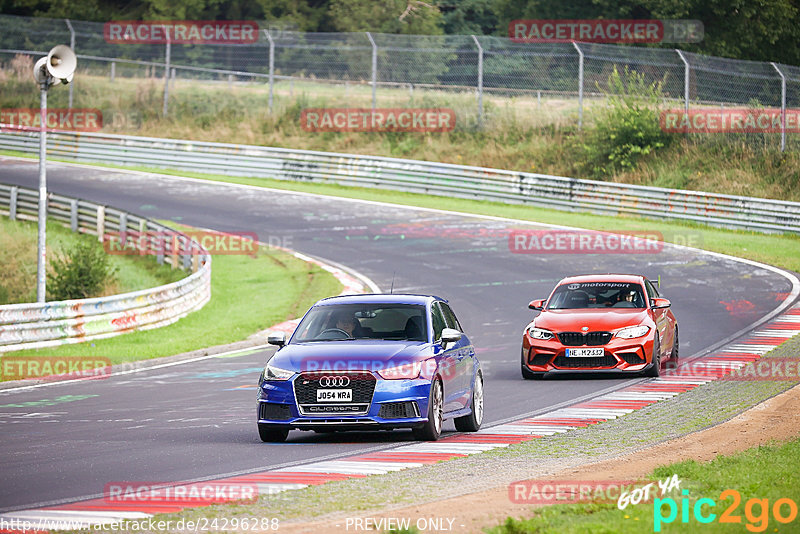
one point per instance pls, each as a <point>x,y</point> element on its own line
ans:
<point>369,362</point>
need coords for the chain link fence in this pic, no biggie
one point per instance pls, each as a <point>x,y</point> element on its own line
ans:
<point>477,75</point>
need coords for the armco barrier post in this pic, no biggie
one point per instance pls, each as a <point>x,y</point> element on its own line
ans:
<point>101,223</point>
<point>73,215</point>
<point>123,229</point>
<point>12,207</point>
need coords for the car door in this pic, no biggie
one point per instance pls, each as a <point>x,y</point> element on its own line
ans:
<point>448,362</point>
<point>464,354</point>
<point>660,317</point>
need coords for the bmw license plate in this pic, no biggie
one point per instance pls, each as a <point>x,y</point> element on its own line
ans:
<point>585,353</point>
<point>334,395</point>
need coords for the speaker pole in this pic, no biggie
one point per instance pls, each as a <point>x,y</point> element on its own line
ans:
<point>57,67</point>
<point>42,247</point>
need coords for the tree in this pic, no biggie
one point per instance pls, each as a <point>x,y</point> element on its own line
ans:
<point>389,16</point>
<point>469,17</point>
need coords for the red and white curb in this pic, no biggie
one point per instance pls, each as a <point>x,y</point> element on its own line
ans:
<point>582,414</point>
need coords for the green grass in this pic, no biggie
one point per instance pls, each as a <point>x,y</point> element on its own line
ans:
<point>765,472</point>
<point>248,295</point>
<point>18,242</point>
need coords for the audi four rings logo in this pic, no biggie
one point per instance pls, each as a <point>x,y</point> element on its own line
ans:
<point>334,381</point>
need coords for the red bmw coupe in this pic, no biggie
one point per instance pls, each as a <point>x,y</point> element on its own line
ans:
<point>605,323</point>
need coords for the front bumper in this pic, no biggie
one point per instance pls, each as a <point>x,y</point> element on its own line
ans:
<point>619,355</point>
<point>394,404</point>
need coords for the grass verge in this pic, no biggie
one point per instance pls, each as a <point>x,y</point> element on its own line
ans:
<point>758,476</point>
<point>18,242</point>
<point>248,294</point>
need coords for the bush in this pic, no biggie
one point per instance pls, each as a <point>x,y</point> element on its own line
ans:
<point>80,273</point>
<point>627,129</point>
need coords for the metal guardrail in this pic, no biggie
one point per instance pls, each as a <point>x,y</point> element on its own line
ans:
<point>569,194</point>
<point>37,325</point>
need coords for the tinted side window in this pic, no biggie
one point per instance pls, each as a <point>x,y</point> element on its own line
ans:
<point>651,291</point>
<point>438,321</point>
<point>450,317</point>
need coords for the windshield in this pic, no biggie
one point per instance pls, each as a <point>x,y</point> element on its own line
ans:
<point>597,295</point>
<point>338,322</point>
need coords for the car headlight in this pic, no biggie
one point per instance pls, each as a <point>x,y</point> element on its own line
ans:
<point>631,332</point>
<point>539,333</point>
<point>401,372</point>
<point>276,373</point>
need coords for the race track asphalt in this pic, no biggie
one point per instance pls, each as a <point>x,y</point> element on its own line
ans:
<point>197,420</point>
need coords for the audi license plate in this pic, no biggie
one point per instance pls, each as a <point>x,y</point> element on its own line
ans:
<point>585,353</point>
<point>334,395</point>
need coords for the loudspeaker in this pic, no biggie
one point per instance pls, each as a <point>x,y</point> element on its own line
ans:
<point>61,63</point>
<point>40,73</point>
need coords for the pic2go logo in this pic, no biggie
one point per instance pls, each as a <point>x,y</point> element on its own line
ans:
<point>756,511</point>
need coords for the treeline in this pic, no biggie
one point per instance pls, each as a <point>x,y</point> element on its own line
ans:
<point>764,30</point>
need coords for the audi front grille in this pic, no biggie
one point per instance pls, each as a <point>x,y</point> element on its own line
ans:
<point>362,384</point>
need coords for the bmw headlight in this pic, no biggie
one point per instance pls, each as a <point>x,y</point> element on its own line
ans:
<point>631,332</point>
<point>276,373</point>
<point>539,333</point>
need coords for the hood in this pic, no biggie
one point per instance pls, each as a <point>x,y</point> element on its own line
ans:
<point>597,319</point>
<point>366,354</point>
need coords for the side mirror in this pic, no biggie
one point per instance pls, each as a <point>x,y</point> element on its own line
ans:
<point>661,303</point>
<point>450,335</point>
<point>277,338</point>
<point>537,304</point>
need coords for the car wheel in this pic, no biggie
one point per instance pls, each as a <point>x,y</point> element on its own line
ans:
<point>272,433</point>
<point>472,422</point>
<point>655,368</point>
<point>675,349</point>
<point>432,429</point>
